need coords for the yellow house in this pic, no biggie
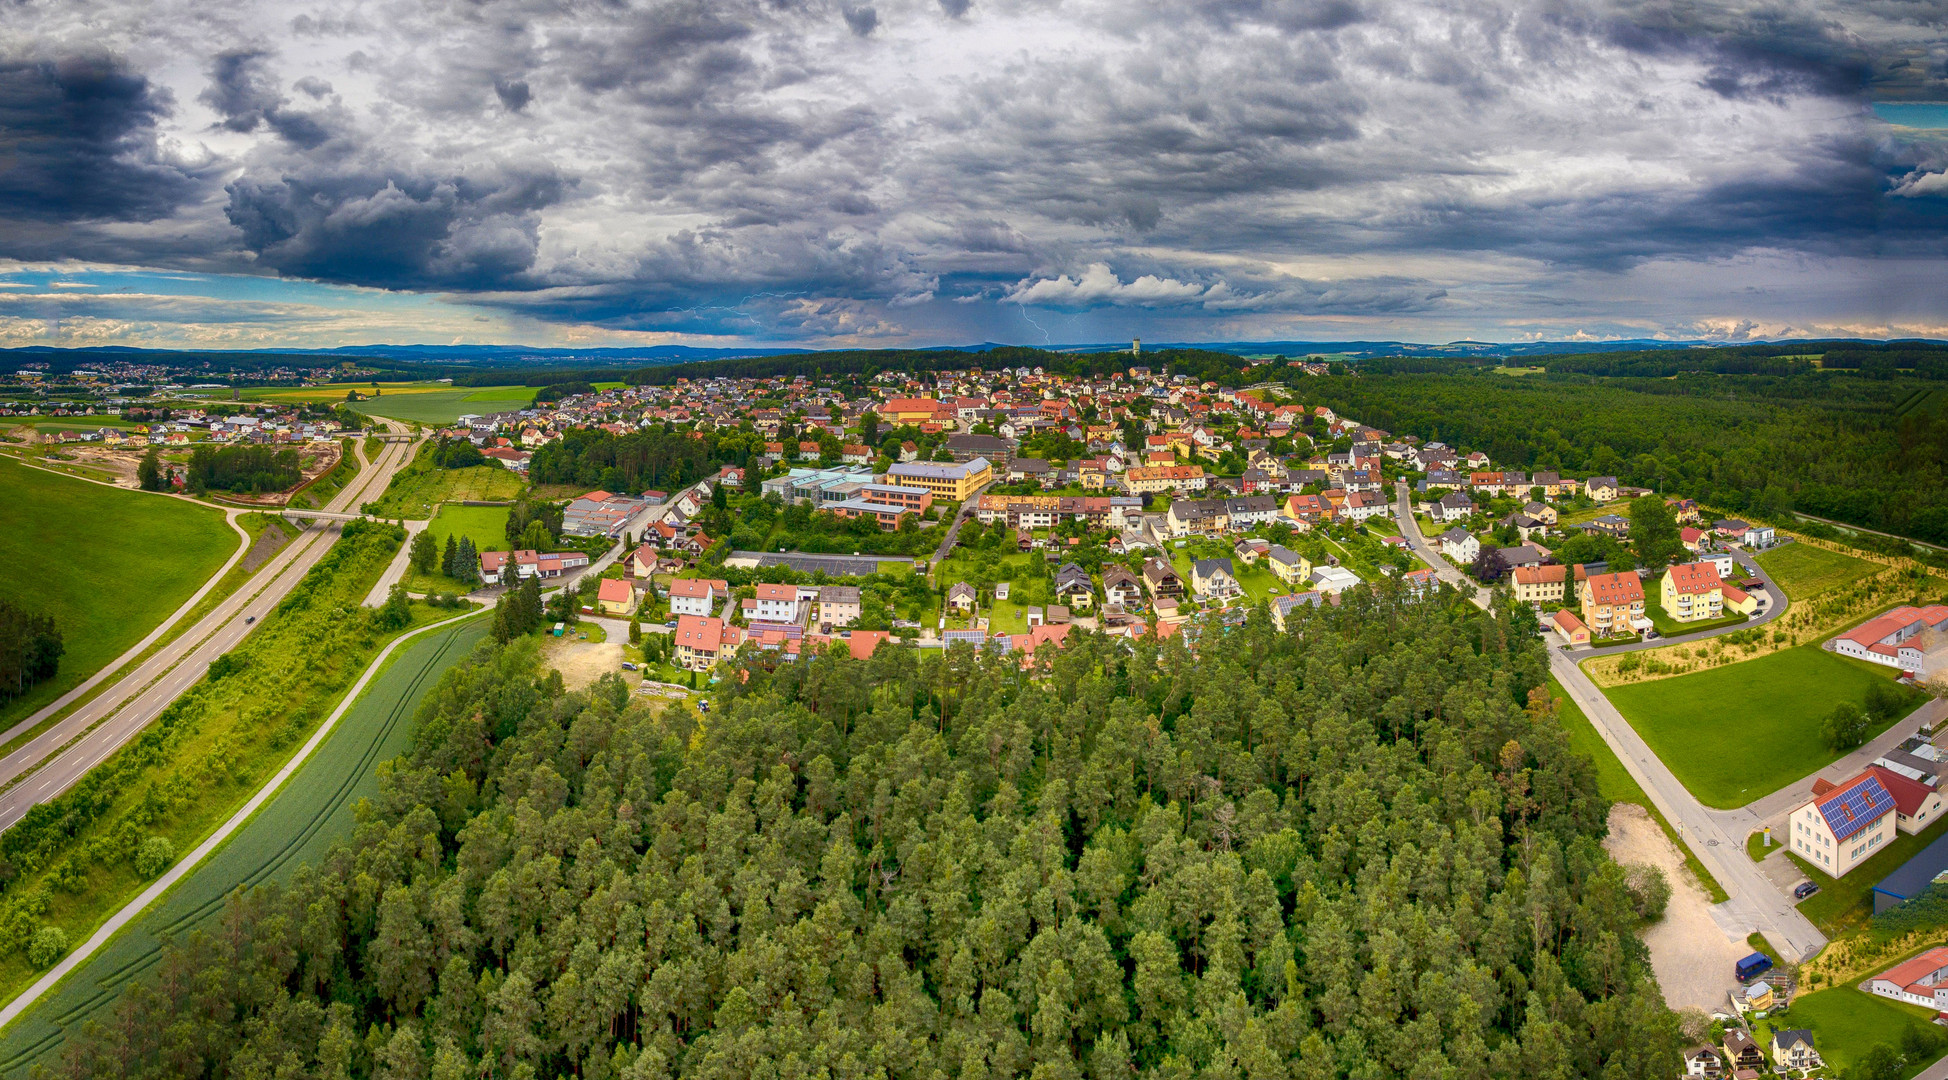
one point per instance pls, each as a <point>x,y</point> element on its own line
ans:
<point>1290,566</point>
<point>1540,585</point>
<point>1738,601</point>
<point>909,410</point>
<point>1692,592</point>
<point>1601,488</point>
<point>949,481</point>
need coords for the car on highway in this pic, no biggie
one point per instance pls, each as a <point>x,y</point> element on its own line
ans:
<point>248,619</point>
<point>1805,889</point>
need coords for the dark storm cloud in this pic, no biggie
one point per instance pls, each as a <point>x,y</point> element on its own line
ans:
<point>861,20</point>
<point>78,142</point>
<point>514,93</point>
<point>779,167</point>
<point>243,90</point>
<point>397,230</point>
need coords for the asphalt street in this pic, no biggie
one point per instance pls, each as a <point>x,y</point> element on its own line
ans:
<point>1756,903</point>
<point>49,763</point>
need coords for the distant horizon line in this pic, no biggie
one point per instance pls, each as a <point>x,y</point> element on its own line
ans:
<point>1221,344</point>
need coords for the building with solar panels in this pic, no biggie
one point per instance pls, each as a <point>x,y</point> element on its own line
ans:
<point>1844,825</point>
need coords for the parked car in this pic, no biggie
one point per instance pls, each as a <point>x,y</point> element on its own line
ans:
<point>1805,889</point>
<point>628,666</point>
<point>1753,966</point>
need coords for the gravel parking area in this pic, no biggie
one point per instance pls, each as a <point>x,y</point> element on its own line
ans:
<point>1690,955</point>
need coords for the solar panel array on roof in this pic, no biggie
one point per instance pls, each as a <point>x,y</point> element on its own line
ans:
<point>1855,807</point>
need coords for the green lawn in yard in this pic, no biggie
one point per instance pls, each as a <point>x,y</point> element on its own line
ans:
<point>1847,1022</point>
<point>419,490</point>
<point>486,526</point>
<point>1803,570</point>
<point>1737,732</point>
<point>108,564</point>
<point>1670,627</point>
<point>1615,783</point>
<point>1848,902</point>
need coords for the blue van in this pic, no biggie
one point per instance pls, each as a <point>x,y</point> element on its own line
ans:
<point>1753,966</point>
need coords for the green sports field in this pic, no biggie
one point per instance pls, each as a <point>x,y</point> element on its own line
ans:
<point>1737,732</point>
<point>297,826</point>
<point>108,564</point>
<point>1805,571</point>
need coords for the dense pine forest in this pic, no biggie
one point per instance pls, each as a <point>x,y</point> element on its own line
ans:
<point>1857,448</point>
<point>1360,849</point>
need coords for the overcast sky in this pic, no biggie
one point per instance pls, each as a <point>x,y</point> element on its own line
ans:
<point>919,172</point>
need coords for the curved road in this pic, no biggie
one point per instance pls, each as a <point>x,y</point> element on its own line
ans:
<point>1756,903</point>
<point>48,764</point>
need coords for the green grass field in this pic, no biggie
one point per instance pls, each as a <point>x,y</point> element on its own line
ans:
<point>486,526</point>
<point>1737,732</point>
<point>296,827</point>
<point>1670,627</point>
<point>419,490</point>
<point>107,564</point>
<point>1847,1022</point>
<point>1803,570</point>
<point>1615,783</point>
<point>443,405</point>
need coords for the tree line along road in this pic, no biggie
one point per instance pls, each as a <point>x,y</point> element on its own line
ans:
<point>49,763</point>
<point>1756,904</point>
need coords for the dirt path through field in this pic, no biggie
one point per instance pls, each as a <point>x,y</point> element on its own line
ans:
<point>1690,955</point>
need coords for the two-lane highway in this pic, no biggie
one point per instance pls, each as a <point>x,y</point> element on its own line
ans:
<point>49,763</point>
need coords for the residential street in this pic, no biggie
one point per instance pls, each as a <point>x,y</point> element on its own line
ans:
<point>48,764</point>
<point>1714,836</point>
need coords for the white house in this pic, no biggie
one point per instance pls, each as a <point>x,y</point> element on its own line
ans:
<point>698,596</point>
<point>1460,545</point>
<point>1843,825</point>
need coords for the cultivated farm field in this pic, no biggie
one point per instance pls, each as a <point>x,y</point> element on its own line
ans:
<point>297,826</point>
<point>1737,732</point>
<point>108,565</point>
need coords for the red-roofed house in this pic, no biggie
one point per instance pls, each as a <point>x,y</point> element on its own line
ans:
<point>616,596</point>
<point>1921,981</point>
<point>1613,603</point>
<point>1915,803</point>
<point>1889,639</point>
<point>1693,592</point>
<point>1844,824</point>
<point>700,642</point>
<point>864,642</point>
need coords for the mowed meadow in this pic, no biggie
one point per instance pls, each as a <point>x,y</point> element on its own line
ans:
<point>107,563</point>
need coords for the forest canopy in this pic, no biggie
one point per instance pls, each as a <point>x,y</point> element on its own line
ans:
<point>1363,849</point>
<point>254,469</point>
